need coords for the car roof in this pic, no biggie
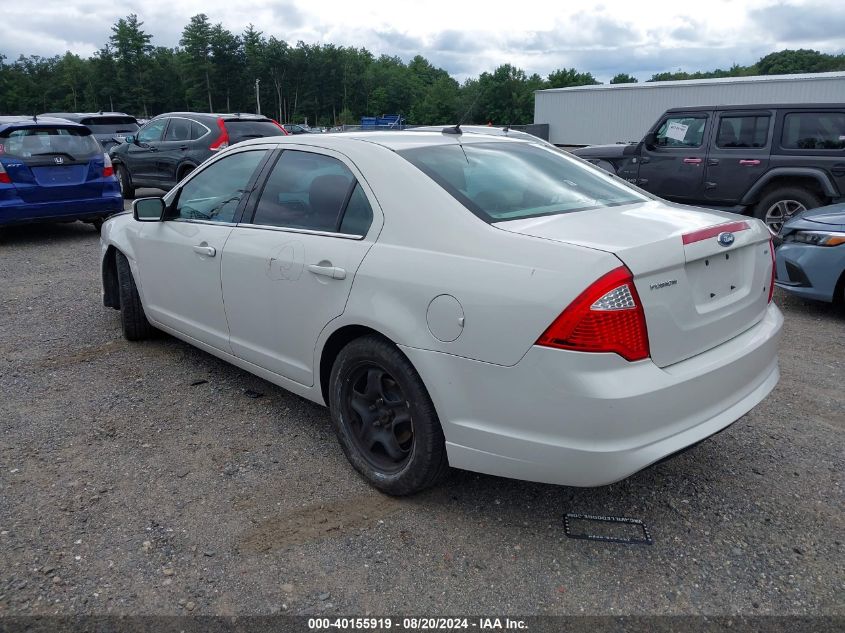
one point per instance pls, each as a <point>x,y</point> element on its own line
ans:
<point>215,115</point>
<point>763,106</point>
<point>28,121</point>
<point>395,140</point>
<point>84,115</point>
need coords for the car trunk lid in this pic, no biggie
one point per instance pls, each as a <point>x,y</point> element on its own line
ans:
<point>697,291</point>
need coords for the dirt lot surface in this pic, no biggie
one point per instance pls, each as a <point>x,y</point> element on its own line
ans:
<point>154,478</point>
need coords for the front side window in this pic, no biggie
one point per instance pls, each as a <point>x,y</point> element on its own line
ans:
<point>512,181</point>
<point>215,192</point>
<point>743,131</point>
<point>311,191</point>
<point>814,130</point>
<point>152,131</point>
<point>681,131</point>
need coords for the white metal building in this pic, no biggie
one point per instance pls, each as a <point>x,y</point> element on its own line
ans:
<point>591,115</point>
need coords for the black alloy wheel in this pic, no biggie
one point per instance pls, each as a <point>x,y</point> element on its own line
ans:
<point>380,416</point>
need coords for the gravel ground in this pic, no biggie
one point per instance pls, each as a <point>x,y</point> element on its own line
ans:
<point>153,478</point>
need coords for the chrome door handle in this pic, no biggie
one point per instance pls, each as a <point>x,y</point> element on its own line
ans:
<point>750,163</point>
<point>327,271</point>
<point>692,161</point>
<point>208,251</point>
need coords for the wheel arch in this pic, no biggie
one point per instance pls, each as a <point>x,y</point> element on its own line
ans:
<point>184,169</point>
<point>336,341</point>
<point>813,179</point>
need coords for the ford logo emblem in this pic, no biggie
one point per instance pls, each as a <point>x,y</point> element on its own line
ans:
<point>726,239</point>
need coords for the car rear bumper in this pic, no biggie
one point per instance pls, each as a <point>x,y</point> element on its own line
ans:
<point>579,419</point>
<point>809,271</point>
<point>85,209</point>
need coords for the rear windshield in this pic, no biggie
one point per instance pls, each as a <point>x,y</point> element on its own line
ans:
<point>111,124</point>
<point>511,181</point>
<point>244,129</point>
<point>72,143</point>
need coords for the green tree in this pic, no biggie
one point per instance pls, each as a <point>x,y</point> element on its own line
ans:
<point>130,48</point>
<point>568,77</point>
<point>196,42</point>
<point>623,78</point>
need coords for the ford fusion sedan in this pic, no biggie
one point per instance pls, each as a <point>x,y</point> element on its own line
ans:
<point>811,256</point>
<point>53,170</point>
<point>458,300</point>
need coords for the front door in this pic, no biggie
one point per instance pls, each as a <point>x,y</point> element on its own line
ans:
<point>179,258</point>
<point>674,166</point>
<point>739,155</point>
<point>172,150</point>
<point>141,156</point>
<point>288,270</point>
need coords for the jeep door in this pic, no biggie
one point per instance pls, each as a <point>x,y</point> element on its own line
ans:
<point>674,166</point>
<point>739,154</point>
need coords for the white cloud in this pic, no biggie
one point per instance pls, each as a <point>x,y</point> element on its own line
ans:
<point>467,37</point>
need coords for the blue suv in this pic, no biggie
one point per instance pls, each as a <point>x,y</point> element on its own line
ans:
<point>52,170</point>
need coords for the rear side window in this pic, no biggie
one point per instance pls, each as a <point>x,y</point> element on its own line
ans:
<point>512,181</point>
<point>32,143</point>
<point>814,130</point>
<point>178,130</point>
<point>311,191</point>
<point>743,131</point>
<point>681,131</point>
<point>197,130</point>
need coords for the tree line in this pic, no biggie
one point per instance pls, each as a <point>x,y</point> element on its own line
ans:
<point>213,69</point>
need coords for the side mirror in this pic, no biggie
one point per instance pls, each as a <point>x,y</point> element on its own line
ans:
<point>148,209</point>
<point>650,140</point>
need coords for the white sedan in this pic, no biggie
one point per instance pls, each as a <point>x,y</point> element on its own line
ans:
<point>458,300</point>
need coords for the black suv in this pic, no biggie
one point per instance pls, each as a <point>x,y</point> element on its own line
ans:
<point>109,128</point>
<point>170,146</point>
<point>771,161</point>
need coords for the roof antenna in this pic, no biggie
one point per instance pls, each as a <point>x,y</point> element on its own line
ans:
<point>457,128</point>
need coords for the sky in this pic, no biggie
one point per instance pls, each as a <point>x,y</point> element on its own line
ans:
<point>639,37</point>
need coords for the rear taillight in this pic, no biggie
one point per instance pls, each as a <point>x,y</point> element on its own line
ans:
<point>280,126</point>
<point>222,141</point>
<point>772,280</point>
<point>108,168</point>
<point>4,177</point>
<point>606,317</point>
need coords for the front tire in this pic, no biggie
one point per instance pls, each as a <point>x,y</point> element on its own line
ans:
<point>384,418</point>
<point>132,317</point>
<point>780,204</point>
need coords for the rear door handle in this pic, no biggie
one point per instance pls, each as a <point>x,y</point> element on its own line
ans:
<point>327,271</point>
<point>692,161</point>
<point>183,147</point>
<point>713,161</point>
<point>749,162</point>
<point>208,251</point>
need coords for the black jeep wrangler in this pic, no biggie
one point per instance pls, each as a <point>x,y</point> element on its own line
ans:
<point>770,161</point>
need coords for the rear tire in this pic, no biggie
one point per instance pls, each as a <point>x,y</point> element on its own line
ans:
<point>396,441</point>
<point>132,317</point>
<point>125,181</point>
<point>779,205</point>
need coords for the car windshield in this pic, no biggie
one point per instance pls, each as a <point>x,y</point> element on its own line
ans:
<point>111,124</point>
<point>73,143</point>
<point>511,181</point>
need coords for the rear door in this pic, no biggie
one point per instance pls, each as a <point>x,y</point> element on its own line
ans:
<point>674,167</point>
<point>288,271</point>
<point>141,156</point>
<point>52,163</point>
<point>813,137</point>
<point>739,154</point>
<point>179,258</point>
